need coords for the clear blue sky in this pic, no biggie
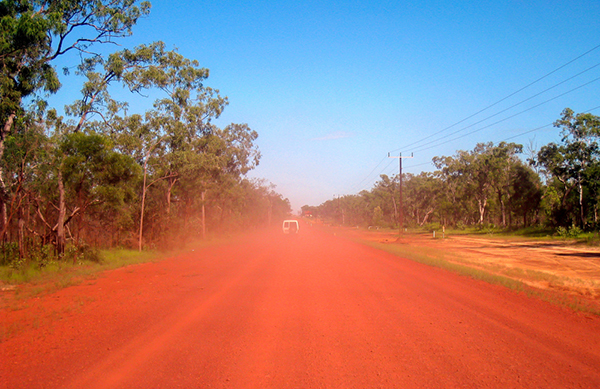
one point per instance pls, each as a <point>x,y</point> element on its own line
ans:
<point>332,87</point>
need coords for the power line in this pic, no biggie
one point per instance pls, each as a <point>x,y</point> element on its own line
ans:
<point>519,103</point>
<point>527,132</point>
<point>388,169</point>
<point>499,121</point>
<point>420,164</point>
<point>507,97</point>
<point>368,175</point>
<point>434,143</point>
<point>544,126</point>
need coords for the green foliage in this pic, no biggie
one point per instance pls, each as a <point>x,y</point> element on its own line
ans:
<point>96,177</point>
<point>10,255</point>
<point>488,186</point>
<point>43,256</point>
<point>569,232</point>
<point>436,226</point>
<point>104,177</point>
<point>572,169</point>
<point>83,252</point>
<point>34,33</point>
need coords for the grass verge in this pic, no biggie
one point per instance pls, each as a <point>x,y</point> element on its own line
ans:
<point>34,279</point>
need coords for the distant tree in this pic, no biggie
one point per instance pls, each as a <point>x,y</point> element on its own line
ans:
<point>387,192</point>
<point>574,163</point>
<point>422,194</point>
<point>525,192</point>
<point>473,170</point>
<point>503,158</point>
<point>475,177</point>
<point>310,210</point>
<point>378,217</point>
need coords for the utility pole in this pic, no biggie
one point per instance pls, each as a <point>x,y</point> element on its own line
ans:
<point>400,216</point>
<point>340,209</point>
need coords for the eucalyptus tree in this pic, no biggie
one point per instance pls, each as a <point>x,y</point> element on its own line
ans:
<point>475,173</point>
<point>422,196</point>
<point>94,174</point>
<point>329,211</point>
<point>575,162</point>
<point>26,156</point>
<point>223,156</point>
<point>387,191</point>
<point>502,159</point>
<point>525,193</point>
<point>171,142</point>
<point>452,203</point>
<point>34,33</point>
<point>467,182</point>
<point>254,202</point>
<point>356,209</point>
<point>180,130</point>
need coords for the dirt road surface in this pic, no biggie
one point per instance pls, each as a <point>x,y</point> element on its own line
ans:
<point>314,311</point>
<point>567,266</point>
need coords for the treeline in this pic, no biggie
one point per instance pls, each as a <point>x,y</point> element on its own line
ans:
<point>557,186</point>
<point>102,176</point>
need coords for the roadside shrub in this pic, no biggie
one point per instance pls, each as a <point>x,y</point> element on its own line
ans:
<point>43,256</point>
<point>10,254</point>
<point>83,252</point>
<point>434,226</point>
<point>570,232</point>
<point>593,239</point>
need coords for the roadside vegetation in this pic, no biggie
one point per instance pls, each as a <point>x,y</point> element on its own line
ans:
<point>97,175</point>
<point>572,233</point>
<point>52,274</point>
<point>492,188</point>
<point>49,274</point>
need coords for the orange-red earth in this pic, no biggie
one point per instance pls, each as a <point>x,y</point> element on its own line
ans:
<point>307,311</point>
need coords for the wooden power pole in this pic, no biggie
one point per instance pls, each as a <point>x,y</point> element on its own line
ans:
<point>400,215</point>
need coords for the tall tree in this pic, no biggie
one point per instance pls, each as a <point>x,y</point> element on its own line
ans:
<point>34,33</point>
<point>525,192</point>
<point>422,196</point>
<point>502,159</point>
<point>575,161</point>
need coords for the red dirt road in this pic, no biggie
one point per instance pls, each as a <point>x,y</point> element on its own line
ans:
<point>315,311</point>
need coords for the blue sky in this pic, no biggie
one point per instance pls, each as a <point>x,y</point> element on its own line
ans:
<point>332,87</point>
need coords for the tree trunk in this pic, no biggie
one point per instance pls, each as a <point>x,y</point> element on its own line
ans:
<point>581,215</point>
<point>3,195</point>
<point>502,209</point>
<point>203,216</point>
<point>21,234</point>
<point>143,201</point>
<point>426,217</point>
<point>172,182</point>
<point>481,204</point>
<point>62,211</point>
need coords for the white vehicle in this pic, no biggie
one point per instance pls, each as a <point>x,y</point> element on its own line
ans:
<point>290,227</point>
